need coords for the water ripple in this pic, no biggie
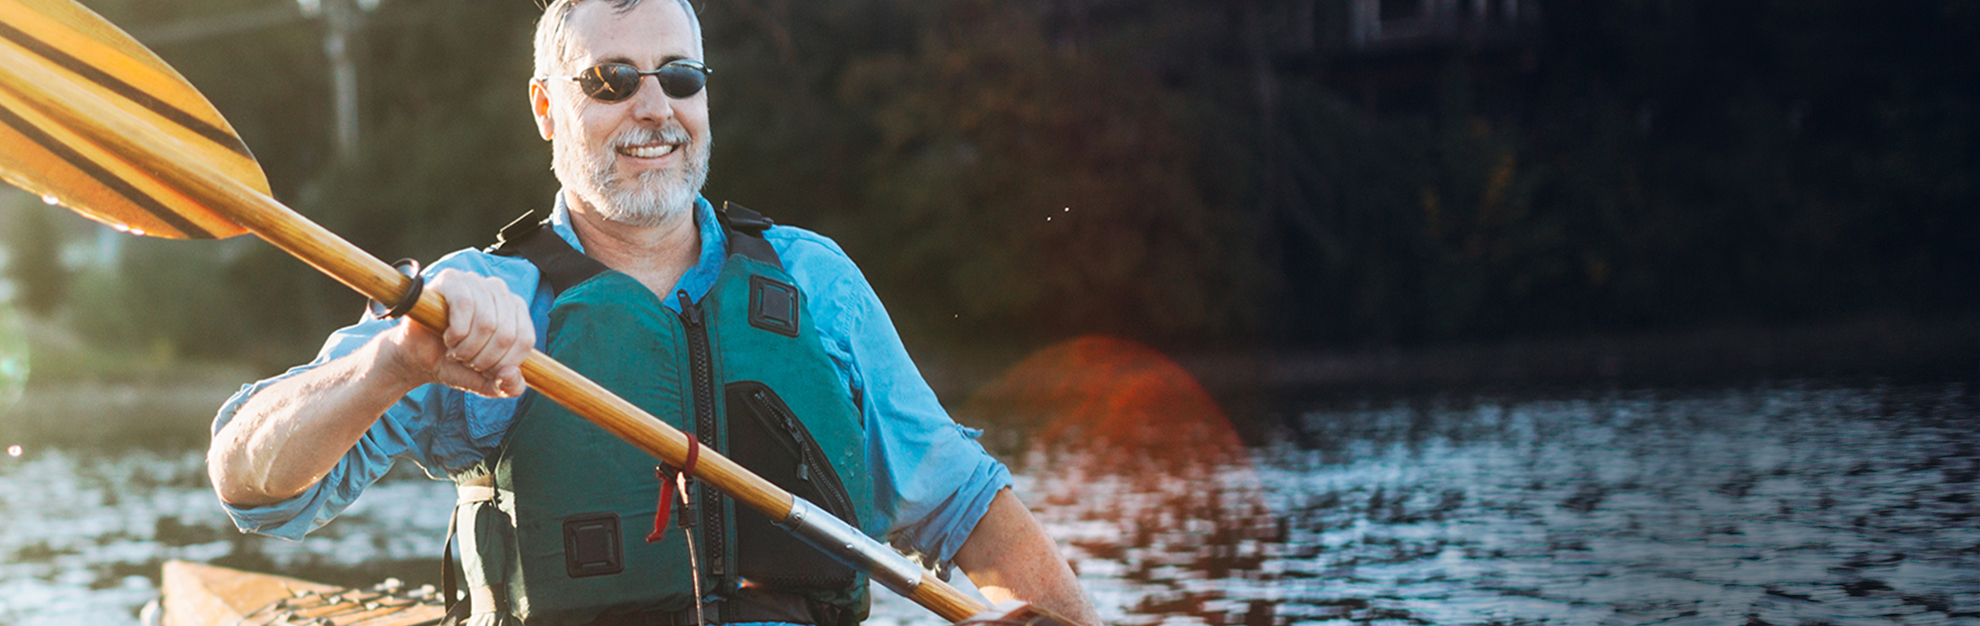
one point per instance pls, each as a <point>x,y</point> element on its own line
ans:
<point>1789,504</point>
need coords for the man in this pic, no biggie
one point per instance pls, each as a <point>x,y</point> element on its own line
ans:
<point>673,304</point>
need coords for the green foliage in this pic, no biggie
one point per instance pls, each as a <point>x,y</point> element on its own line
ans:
<point>34,259</point>
<point>1232,173</point>
<point>1653,165</point>
<point>13,358</point>
<point>1030,187</point>
<point>1790,160</point>
<point>993,180</point>
<point>447,154</point>
<point>102,311</point>
<point>162,299</point>
<point>450,152</point>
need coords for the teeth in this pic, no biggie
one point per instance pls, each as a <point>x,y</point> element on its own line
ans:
<point>648,152</point>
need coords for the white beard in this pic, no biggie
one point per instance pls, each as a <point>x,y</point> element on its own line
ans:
<point>652,197</point>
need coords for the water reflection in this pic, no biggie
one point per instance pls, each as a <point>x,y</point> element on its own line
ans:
<point>1787,504</point>
<point>1773,506</point>
<point>86,532</point>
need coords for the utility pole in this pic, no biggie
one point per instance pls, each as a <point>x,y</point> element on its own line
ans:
<point>341,19</point>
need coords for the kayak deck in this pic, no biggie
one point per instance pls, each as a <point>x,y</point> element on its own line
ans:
<point>196,594</point>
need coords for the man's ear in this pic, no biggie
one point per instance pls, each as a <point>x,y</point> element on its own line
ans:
<point>539,105</point>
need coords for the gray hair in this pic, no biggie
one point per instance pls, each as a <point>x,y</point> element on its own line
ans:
<point>553,42</point>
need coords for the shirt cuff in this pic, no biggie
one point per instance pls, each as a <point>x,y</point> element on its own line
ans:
<point>286,519</point>
<point>942,534</point>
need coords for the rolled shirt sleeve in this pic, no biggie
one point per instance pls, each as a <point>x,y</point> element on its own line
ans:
<point>441,429</point>
<point>931,476</point>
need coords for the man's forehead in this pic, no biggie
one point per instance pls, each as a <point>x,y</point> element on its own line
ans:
<point>660,29</point>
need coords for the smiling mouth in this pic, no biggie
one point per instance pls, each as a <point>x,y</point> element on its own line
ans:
<point>648,152</point>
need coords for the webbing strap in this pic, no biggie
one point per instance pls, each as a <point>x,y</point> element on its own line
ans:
<point>750,225</point>
<point>560,264</point>
<point>449,587</point>
<point>469,494</point>
<point>481,599</point>
<point>564,267</point>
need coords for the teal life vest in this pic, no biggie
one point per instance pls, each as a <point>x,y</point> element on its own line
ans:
<point>553,524</point>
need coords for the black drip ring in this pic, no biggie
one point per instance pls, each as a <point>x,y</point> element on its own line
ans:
<point>410,268</point>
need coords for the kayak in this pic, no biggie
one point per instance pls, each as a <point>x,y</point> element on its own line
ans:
<point>196,594</point>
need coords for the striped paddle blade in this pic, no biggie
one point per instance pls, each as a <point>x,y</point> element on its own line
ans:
<point>59,40</point>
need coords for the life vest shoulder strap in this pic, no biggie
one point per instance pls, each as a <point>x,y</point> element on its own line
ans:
<point>745,228</point>
<point>564,267</point>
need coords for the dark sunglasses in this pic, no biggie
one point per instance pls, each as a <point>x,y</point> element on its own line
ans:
<point>615,82</point>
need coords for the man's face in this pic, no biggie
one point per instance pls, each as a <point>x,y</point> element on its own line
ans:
<point>642,160</point>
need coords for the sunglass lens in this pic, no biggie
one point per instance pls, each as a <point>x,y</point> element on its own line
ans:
<point>681,81</point>
<point>610,82</point>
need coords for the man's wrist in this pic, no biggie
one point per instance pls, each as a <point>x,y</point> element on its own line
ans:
<point>390,368</point>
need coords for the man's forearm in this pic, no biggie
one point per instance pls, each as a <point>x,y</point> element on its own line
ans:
<point>1010,556</point>
<point>290,434</point>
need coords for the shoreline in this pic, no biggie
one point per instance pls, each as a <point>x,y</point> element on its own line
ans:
<point>1875,347</point>
<point>152,413</point>
<point>1721,355</point>
<point>93,413</point>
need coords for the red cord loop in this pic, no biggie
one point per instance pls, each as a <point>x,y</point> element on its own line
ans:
<point>667,480</point>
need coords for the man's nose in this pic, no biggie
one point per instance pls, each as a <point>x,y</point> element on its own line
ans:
<point>652,101</point>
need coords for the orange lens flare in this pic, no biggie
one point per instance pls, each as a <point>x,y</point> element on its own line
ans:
<point>1117,399</point>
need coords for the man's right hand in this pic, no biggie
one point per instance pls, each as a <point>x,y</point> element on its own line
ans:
<point>488,335</point>
<point>290,434</point>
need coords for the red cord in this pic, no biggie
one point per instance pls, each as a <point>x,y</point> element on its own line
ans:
<point>665,509</point>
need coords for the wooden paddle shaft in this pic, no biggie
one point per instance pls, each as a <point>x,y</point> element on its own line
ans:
<point>117,132</point>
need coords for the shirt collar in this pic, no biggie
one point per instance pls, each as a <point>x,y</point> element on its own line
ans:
<point>698,279</point>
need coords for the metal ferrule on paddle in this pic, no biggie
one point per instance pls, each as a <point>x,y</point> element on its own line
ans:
<point>151,160</point>
<point>850,546</point>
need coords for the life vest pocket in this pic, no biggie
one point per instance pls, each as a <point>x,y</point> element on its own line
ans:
<point>767,437</point>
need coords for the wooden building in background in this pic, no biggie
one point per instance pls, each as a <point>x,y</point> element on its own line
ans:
<point>1401,25</point>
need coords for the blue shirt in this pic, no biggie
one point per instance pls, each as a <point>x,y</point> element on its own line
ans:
<point>930,476</point>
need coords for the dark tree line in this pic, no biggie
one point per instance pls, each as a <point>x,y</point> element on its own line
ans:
<point>1198,172</point>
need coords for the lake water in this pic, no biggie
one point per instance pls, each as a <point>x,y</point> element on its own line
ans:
<point>1787,503</point>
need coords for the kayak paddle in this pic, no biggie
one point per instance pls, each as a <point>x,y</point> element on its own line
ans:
<point>93,121</point>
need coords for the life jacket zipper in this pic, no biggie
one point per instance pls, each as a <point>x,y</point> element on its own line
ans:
<point>702,372</point>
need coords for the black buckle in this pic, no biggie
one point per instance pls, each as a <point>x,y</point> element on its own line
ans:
<point>513,234</point>
<point>738,217</point>
<point>409,268</point>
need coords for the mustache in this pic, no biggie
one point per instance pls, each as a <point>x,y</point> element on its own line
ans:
<point>648,135</point>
